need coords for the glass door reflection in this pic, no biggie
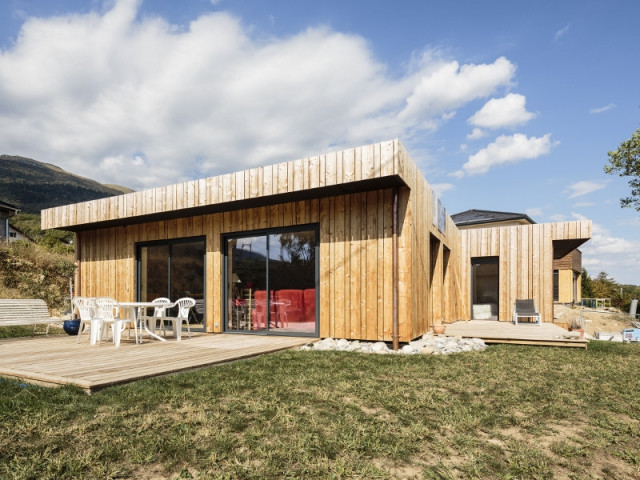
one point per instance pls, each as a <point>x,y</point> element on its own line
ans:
<point>271,282</point>
<point>174,269</point>
<point>247,283</point>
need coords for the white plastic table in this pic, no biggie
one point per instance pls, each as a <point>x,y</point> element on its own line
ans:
<point>136,308</point>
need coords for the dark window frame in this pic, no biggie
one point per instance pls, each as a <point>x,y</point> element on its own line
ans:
<point>315,227</point>
<point>170,242</point>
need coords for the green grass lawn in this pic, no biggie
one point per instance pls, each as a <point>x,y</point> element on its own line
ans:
<point>508,412</point>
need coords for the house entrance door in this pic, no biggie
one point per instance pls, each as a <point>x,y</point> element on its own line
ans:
<point>484,288</point>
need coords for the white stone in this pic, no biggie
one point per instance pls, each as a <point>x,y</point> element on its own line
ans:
<point>408,349</point>
<point>427,345</point>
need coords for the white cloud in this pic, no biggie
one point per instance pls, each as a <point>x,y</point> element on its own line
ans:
<point>509,111</point>
<point>130,99</point>
<point>446,86</point>
<point>561,33</point>
<point>585,187</point>
<point>441,188</point>
<point>534,212</point>
<point>476,134</point>
<point>506,149</point>
<point>448,116</point>
<point>583,204</point>
<point>609,253</point>
<point>557,217</point>
<point>606,108</point>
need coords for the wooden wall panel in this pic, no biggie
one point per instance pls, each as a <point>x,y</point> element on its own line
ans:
<point>355,288</point>
<point>526,261</point>
<point>356,251</point>
<point>421,302</point>
<point>571,261</point>
<point>367,162</point>
<point>370,273</point>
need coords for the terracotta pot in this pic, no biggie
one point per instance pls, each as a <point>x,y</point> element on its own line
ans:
<point>438,329</point>
<point>579,330</point>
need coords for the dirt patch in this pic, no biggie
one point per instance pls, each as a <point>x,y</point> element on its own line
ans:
<point>594,320</point>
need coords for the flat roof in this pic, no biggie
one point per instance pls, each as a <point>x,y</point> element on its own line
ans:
<point>370,167</point>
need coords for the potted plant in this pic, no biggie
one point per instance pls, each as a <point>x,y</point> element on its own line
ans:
<point>438,327</point>
<point>575,325</point>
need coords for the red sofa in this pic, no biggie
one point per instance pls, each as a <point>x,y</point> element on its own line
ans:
<point>287,306</point>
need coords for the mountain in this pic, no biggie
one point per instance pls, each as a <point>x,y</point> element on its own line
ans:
<point>32,186</point>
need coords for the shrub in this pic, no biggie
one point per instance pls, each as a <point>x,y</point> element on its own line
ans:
<point>28,270</point>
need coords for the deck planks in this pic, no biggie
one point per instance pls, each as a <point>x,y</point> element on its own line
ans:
<point>492,331</point>
<point>58,360</point>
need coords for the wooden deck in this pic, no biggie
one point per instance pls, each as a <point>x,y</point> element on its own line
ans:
<point>57,360</point>
<point>492,331</point>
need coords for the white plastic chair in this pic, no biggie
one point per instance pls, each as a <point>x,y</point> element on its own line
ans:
<point>86,308</point>
<point>184,305</point>
<point>159,312</point>
<point>107,311</point>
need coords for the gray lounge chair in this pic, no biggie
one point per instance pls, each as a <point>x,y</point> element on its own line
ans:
<point>526,309</point>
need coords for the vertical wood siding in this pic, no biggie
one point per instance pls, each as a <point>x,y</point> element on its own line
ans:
<point>362,163</point>
<point>355,258</point>
<point>525,262</point>
<point>356,251</point>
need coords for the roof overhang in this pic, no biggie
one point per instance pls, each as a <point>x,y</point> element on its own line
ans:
<point>370,167</point>
<point>562,248</point>
<point>264,201</point>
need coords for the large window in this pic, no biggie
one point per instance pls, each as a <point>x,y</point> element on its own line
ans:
<point>271,281</point>
<point>174,269</point>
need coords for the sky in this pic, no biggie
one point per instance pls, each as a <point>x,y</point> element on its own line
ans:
<point>507,106</point>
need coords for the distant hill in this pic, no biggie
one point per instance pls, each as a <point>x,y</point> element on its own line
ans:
<point>33,186</point>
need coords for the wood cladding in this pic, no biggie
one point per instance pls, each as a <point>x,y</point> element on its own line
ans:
<point>356,277</point>
<point>360,164</point>
<point>355,290</point>
<point>571,261</point>
<point>525,261</point>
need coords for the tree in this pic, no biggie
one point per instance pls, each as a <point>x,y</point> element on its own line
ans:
<point>603,286</point>
<point>587,284</point>
<point>625,161</point>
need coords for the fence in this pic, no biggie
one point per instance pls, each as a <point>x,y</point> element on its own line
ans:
<point>595,302</point>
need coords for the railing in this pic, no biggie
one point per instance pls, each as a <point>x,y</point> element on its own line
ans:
<point>595,302</point>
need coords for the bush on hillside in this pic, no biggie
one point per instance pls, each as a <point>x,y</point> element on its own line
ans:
<point>28,270</point>
<point>58,241</point>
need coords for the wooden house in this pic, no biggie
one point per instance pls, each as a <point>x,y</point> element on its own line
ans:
<point>567,263</point>
<point>351,244</point>
<point>6,211</point>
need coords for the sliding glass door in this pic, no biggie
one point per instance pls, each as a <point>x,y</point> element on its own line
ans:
<point>271,281</point>
<point>174,269</point>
